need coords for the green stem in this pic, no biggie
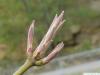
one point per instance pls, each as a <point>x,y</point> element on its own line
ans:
<point>24,67</point>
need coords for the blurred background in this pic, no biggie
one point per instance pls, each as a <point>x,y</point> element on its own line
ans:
<point>80,33</point>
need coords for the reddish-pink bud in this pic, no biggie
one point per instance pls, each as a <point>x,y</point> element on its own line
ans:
<point>53,54</point>
<point>30,38</point>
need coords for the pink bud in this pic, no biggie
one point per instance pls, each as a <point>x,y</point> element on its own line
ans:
<point>30,38</point>
<point>53,54</point>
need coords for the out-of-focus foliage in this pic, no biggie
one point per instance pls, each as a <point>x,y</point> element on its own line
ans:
<point>80,31</point>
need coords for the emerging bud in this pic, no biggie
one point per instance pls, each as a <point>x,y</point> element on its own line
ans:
<point>53,54</point>
<point>47,39</point>
<point>30,38</point>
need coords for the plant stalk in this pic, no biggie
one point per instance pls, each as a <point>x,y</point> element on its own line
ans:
<point>24,67</point>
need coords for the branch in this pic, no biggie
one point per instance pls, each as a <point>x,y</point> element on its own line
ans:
<point>35,58</point>
<point>24,68</point>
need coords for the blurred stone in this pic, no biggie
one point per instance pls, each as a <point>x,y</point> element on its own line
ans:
<point>2,51</point>
<point>96,40</point>
<point>75,29</point>
<point>95,5</point>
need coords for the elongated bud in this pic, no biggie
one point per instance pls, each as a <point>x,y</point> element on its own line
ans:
<point>30,38</point>
<point>53,54</point>
<point>47,39</point>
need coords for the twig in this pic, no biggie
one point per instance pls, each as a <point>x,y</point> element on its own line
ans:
<point>35,57</point>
